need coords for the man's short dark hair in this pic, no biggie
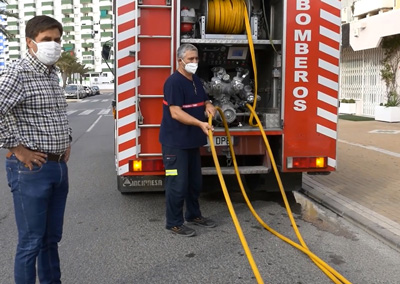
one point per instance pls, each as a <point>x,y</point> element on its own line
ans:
<point>40,24</point>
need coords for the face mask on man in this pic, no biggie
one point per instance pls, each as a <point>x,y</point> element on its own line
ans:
<point>190,67</point>
<point>48,52</point>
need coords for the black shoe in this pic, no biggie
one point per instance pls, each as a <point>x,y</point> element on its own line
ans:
<point>202,221</point>
<point>183,231</point>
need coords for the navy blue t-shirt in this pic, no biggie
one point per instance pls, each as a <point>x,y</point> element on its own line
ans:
<point>190,95</point>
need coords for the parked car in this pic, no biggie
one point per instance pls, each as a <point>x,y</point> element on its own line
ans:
<point>88,91</point>
<point>96,90</point>
<point>75,91</point>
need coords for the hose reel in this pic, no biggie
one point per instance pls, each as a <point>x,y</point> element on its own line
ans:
<point>225,17</point>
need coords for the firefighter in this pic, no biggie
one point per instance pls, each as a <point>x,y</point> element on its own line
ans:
<point>183,131</point>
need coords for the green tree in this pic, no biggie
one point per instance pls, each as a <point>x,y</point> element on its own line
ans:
<point>69,65</point>
<point>81,70</point>
<point>4,12</point>
<point>391,65</point>
<point>65,63</point>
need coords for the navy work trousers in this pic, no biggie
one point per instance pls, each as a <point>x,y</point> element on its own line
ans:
<point>183,183</point>
<point>39,197</point>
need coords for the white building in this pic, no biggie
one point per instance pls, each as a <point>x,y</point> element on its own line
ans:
<point>87,25</point>
<point>364,24</point>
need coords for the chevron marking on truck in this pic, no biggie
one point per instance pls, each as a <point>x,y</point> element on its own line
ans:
<point>126,83</point>
<point>329,71</point>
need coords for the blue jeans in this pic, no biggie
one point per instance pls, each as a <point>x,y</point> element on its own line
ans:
<point>182,186</point>
<point>39,197</point>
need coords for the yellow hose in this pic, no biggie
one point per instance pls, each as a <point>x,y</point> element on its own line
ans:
<point>222,19</point>
<point>329,271</point>
<point>230,206</point>
<point>225,16</point>
<point>253,59</point>
<point>251,122</point>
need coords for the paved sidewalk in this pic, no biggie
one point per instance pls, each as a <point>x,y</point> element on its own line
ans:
<point>365,188</point>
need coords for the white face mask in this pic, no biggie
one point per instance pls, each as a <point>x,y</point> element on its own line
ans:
<point>48,52</point>
<point>190,67</point>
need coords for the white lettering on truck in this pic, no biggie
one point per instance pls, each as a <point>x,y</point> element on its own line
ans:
<point>146,183</point>
<point>301,37</point>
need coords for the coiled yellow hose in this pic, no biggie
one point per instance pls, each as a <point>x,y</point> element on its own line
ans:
<point>225,16</point>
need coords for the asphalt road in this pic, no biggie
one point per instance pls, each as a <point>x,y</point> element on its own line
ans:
<point>113,238</point>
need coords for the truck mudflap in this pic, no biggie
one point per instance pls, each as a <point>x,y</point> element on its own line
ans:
<point>128,184</point>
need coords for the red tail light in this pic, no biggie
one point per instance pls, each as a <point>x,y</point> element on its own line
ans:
<point>146,165</point>
<point>306,162</point>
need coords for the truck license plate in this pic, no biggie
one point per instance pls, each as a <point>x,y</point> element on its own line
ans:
<point>220,141</point>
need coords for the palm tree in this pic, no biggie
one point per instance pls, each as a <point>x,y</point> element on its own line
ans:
<point>68,65</point>
<point>81,70</point>
<point>65,64</point>
<point>4,12</point>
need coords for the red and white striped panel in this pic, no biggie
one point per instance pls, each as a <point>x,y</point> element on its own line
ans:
<point>329,45</point>
<point>311,76</point>
<point>126,83</point>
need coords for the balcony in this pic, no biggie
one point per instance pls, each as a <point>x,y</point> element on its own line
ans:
<point>86,36</point>
<point>105,16</point>
<point>365,8</point>
<point>68,28</point>
<point>88,61</point>
<point>87,45</point>
<point>106,34</point>
<point>87,18</point>
<point>68,37</point>
<point>68,20</point>
<point>367,33</point>
<point>86,10</point>
<point>13,24</point>
<point>87,53</point>
<point>48,12</point>
<point>106,7</point>
<point>67,11</point>
<point>106,26</point>
<point>87,27</point>
<point>68,46</point>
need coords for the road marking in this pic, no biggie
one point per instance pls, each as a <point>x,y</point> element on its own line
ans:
<point>104,111</point>
<point>88,100</point>
<point>86,112</point>
<point>94,123</point>
<point>390,153</point>
<point>71,112</point>
<point>385,131</point>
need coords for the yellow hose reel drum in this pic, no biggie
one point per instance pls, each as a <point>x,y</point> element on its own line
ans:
<point>225,16</point>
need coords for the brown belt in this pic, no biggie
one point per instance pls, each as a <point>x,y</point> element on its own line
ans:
<point>50,157</point>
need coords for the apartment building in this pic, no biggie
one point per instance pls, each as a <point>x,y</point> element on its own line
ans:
<point>87,25</point>
<point>364,24</point>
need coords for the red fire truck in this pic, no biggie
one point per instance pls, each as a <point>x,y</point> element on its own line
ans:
<point>281,56</point>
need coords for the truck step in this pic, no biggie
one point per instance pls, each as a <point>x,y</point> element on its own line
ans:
<point>231,170</point>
